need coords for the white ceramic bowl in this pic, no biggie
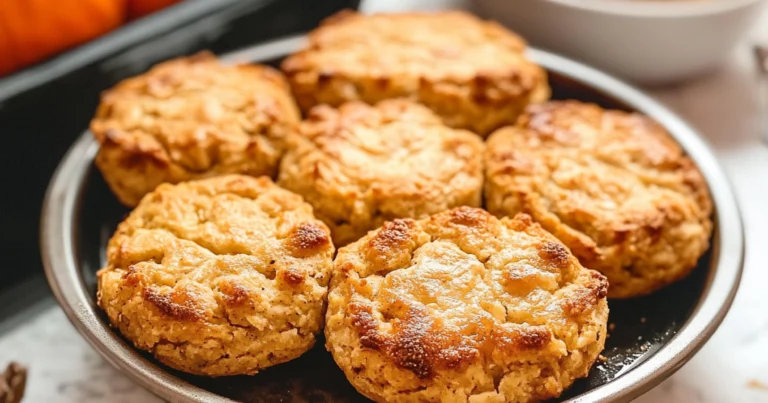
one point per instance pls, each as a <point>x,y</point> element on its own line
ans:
<point>649,42</point>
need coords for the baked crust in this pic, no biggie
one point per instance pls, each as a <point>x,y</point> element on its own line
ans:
<point>463,307</point>
<point>613,186</point>
<point>191,118</point>
<point>360,165</point>
<point>221,276</point>
<point>472,73</point>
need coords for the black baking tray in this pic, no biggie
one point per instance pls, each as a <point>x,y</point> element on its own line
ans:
<point>45,107</point>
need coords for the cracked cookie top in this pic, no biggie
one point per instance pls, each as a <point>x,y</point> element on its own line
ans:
<point>220,276</point>
<point>467,301</point>
<point>472,73</point>
<point>190,118</point>
<point>360,165</point>
<point>613,186</point>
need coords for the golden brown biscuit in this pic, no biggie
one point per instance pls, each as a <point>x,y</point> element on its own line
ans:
<point>613,186</point>
<point>191,118</point>
<point>471,72</point>
<point>361,165</point>
<point>219,276</point>
<point>463,307</point>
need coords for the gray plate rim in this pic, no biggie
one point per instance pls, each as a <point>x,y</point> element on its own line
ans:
<point>59,213</point>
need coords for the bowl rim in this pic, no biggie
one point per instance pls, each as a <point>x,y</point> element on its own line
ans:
<point>58,236</point>
<point>657,9</point>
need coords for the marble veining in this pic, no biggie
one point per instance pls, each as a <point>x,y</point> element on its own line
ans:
<point>63,367</point>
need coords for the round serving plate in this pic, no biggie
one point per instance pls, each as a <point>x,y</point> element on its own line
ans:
<point>651,338</point>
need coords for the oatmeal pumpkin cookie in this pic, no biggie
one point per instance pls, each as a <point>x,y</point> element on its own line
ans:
<point>463,307</point>
<point>221,276</point>
<point>191,118</point>
<point>360,165</point>
<point>612,186</point>
<point>472,73</point>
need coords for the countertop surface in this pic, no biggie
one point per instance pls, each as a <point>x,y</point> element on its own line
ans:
<point>732,367</point>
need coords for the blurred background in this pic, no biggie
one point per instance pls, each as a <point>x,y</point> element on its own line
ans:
<point>699,57</point>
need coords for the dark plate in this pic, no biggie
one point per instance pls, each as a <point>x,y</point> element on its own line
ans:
<point>652,337</point>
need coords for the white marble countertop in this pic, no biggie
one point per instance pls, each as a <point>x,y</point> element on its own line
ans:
<point>732,367</point>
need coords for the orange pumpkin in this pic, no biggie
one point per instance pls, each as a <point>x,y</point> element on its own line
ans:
<point>31,30</point>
